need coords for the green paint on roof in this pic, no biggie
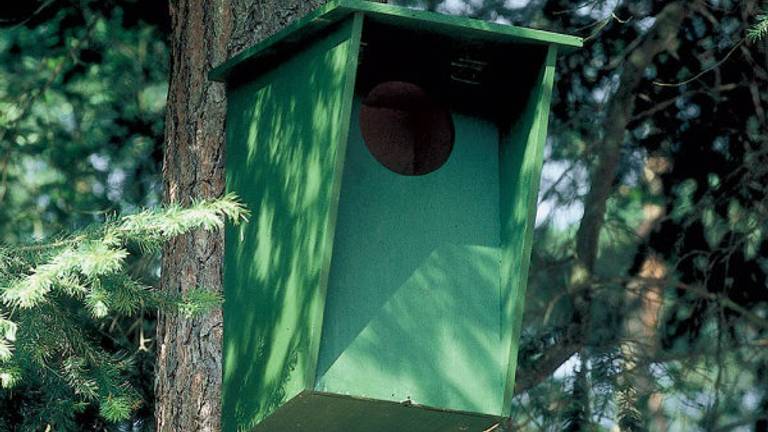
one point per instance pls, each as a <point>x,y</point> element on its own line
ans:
<point>335,10</point>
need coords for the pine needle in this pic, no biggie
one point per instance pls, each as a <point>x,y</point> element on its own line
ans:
<point>41,339</point>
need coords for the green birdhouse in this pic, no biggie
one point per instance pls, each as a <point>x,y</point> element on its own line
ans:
<point>391,159</point>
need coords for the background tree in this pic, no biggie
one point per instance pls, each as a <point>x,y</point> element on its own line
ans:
<point>649,267</point>
<point>76,314</point>
<point>82,87</point>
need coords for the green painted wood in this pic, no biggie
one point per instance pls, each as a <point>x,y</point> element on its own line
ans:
<point>320,412</point>
<point>335,10</point>
<point>354,289</point>
<point>286,129</point>
<point>343,139</point>
<point>521,161</point>
<point>413,296</point>
<point>459,26</point>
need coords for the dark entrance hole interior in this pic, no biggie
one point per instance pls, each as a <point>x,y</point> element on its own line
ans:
<point>405,129</point>
<point>411,82</point>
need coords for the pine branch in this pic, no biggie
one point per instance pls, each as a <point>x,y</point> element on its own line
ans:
<point>41,336</point>
<point>101,251</point>
<point>759,30</point>
<point>630,417</point>
<point>577,417</point>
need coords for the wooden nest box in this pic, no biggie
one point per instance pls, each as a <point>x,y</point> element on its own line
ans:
<point>391,159</point>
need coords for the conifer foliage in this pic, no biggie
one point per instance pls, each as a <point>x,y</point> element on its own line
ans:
<point>41,340</point>
<point>760,29</point>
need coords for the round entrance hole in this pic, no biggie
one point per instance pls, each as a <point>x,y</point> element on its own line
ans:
<point>405,129</point>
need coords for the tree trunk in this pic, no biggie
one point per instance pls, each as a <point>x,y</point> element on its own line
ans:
<point>644,301</point>
<point>204,33</point>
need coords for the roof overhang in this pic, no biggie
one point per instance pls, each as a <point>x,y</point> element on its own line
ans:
<point>337,10</point>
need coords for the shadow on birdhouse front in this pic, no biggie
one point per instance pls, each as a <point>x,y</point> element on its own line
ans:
<point>391,159</point>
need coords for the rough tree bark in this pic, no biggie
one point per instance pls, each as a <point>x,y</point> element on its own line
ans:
<point>204,33</point>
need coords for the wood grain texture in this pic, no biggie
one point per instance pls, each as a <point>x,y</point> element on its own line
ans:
<point>204,33</point>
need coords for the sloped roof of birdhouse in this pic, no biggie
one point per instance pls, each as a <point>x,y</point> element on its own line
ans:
<point>336,10</point>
